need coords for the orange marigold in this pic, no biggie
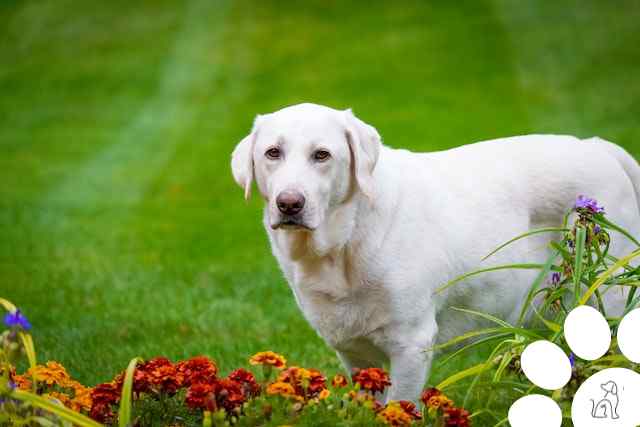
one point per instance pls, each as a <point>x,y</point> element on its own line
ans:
<point>440,401</point>
<point>62,397</point>
<point>429,393</point>
<point>410,408</point>
<point>374,380</point>
<point>456,417</point>
<point>308,383</point>
<point>324,394</point>
<point>268,358</point>
<point>22,382</point>
<point>53,373</point>
<point>339,381</point>
<point>283,389</point>
<point>199,369</point>
<point>81,397</point>
<point>394,415</point>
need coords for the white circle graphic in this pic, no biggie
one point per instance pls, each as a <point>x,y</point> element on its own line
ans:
<point>535,410</point>
<point>608,398</point>
<point>546,365</point>
<point>587,333</point>
<point>629,336</point>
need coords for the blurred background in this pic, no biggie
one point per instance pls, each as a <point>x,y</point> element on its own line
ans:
<point>122,232</point>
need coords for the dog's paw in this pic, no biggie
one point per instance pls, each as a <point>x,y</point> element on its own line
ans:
<point>607,398</point>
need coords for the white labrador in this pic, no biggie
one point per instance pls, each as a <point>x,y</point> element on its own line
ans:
<point>365,234</point>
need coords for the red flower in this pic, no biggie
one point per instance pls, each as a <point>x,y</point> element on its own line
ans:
<point>200,396</point>
<point>456,417</point>
<point>429,393</point>
<point>199,369</point>
<point>410,409</point>
<point>248,382</point>
<point>371,379</point>
<point>229,395</point>
<point>166,378</point>
<point>102,397</point>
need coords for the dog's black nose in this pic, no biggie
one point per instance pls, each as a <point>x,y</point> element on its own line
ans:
<point>290,202</point>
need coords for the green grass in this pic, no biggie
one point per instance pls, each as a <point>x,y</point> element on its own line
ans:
<point>122,232</point>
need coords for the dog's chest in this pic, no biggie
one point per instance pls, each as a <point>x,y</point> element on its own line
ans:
<point>342,304</point>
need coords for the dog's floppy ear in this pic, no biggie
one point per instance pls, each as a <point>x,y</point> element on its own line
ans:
<point>242,160</point>
<point>364,143</point>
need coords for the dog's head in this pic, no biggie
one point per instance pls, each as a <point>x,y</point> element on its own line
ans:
<point>306,160</point>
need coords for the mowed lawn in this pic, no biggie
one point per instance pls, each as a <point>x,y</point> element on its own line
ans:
<point>122,232</point>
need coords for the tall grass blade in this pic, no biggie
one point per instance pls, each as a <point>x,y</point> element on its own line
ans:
<point>59,410</point>
<point>604,276</point>
<point>484,316</point>
<point>581,238</point>
<point>487,270</point>
<point>124,414</point>
<point>474,370</point>
<point>7,305</point>
<point>522,236</point>
<point>536,284</point>
<point>602,221</point>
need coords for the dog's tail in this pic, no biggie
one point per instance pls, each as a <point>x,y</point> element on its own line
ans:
<point>628,163</point>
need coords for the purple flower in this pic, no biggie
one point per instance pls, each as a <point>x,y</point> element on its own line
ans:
<point>572,359</point>
<point>555,278</point>
<point>596,229</point>
<point>588,204</point>
<point>17,319</point>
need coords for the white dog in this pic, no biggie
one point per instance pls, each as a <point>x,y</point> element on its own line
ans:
<point>365,234</point>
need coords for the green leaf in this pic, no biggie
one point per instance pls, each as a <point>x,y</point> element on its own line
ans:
<point>581,238</point>
<point>536,284</point>
<point>486,270</point>
<point>604,276</point>
<point>463,374</point>
<point>484,316</point>
<point>61,411</point>
<point>124,414</point>
<point>601,220</point>
<point>527,234</point>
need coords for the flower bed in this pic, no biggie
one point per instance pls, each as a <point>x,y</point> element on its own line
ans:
<point>193,392</point>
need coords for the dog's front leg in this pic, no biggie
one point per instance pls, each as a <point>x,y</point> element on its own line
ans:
<point>409,369</point>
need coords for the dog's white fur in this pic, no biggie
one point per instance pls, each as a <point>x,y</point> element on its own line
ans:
<point>386,227</point>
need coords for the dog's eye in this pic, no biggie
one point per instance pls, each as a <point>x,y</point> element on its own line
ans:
<point>273,153</point>
<point>321,155</point>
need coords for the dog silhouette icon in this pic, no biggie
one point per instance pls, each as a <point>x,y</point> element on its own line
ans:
<point>607,407</point>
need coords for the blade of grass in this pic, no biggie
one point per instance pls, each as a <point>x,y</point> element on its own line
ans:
<point>604,276</point>
<point>522,236</point>
<point>487,270</point>
<point>470,346</point>
<point>484,316</point>
<point>602,221</point>
<point>124,414</point>
<point>536,284</point>
<point>463,374</point>
<point>49,406</point>
<point>472,334</point>
<point>8,305</point>
<point>581,238</point>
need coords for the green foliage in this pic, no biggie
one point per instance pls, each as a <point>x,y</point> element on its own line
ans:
<point>583,271</point>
